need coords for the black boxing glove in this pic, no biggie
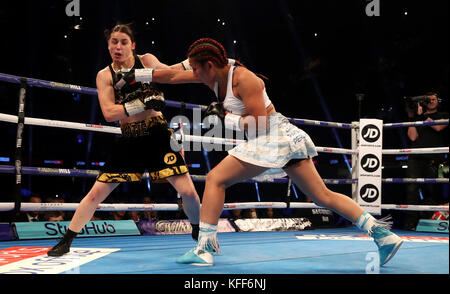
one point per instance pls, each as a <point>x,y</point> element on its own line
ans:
<point>134,107</point>
<point>155,102</point>
<point>132,76</point>
<point>138,101</point>
<point>216,108</point>
<point>230,121</point>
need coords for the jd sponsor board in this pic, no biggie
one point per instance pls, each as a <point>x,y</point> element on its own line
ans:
<point>370,162</point>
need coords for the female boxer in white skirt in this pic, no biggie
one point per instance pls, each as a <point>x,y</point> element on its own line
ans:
<point>243,104</point>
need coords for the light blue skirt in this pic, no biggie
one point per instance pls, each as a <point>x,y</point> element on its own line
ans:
<point>282,142</point>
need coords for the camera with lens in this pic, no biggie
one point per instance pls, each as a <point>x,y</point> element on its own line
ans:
<point>411,102</point>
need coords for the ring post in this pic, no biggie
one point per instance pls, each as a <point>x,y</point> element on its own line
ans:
<point>179,199</point>
<point>288,194</point>
<point>355,146</point>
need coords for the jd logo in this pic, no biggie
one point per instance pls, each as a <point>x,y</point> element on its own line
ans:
<point>369,193</point>
<point>373,8</point>
<point>170,158</point>
<point>73,8</point>
<point>370,163</point>
<point>370,133</point>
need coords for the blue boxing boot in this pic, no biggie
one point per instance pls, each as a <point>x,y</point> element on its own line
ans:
<point>387,242</point>
<point>202,254</point>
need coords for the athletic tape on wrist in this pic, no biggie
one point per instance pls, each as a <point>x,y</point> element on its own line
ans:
<point>186,64</point>
<point>143,75</point>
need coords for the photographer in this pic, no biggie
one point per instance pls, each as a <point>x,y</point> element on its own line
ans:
<point>424,108</point>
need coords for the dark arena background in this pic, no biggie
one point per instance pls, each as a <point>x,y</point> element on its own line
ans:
<point>325,60</point>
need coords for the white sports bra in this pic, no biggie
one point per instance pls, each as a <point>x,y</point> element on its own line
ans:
<point>233,104</point>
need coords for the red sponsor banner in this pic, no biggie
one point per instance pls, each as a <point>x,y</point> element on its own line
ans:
<point>34,260</point>
<point>13,254</point>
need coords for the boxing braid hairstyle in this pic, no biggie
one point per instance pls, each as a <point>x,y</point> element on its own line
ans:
<point>205,49</point>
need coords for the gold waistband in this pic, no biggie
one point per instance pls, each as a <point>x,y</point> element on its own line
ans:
<point>141,128</point>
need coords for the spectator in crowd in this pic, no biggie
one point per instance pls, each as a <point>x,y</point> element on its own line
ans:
<point>53,216</point>
<point>146,215</point>
<point>120,215</point>
<point>236,213</point>
<point>31,216</point>
<point>269,213</point>
<point>251,213</point>
<point>59,198</point>
<point>424,165</point>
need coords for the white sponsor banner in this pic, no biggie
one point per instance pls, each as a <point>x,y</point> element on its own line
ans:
<point>268,224</point>
<point>44,264</point>
<point>423,239</point>
<point>370,161</point>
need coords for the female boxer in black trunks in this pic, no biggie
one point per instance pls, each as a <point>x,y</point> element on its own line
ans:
<point>145,140</point>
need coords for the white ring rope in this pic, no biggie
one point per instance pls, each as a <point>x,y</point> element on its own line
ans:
<point>61,124</point>
<point>191,138</point>
<point>175,207</point>
<point>202,139</point>
<point>432,150</point>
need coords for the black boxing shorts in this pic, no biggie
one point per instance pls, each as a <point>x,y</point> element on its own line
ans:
<point>143,146</point>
